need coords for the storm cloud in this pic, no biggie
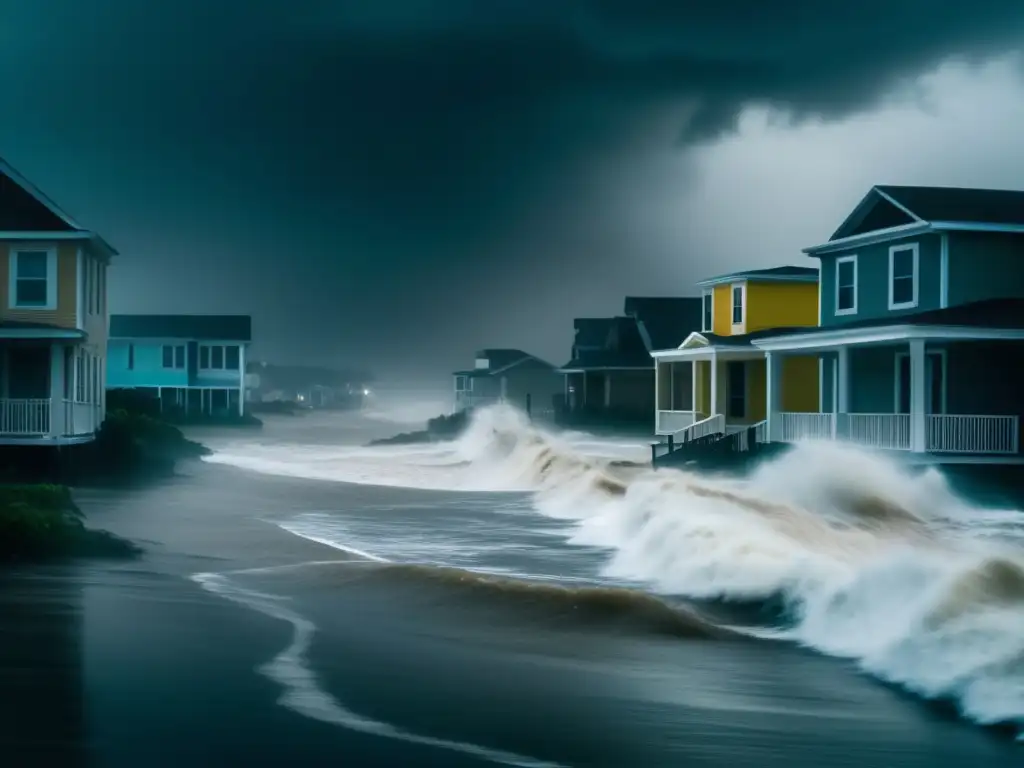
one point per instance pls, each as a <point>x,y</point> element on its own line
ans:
<point>400,181</point>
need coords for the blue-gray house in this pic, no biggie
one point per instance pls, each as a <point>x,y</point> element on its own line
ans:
<point>921,327</point>
<point>194,364</point>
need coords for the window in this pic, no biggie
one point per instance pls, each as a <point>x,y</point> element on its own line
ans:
<point>903,265</point>
<point>131,357</point>
<point>33,279</point>
<point>219,358</point>
<point>737,304</point>
<point>846,285</point>
<point>173,356</point>
<point>708,306</point>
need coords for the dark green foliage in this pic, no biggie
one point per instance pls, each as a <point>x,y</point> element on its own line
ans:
<point>439,428</point>
<point>42,521</point>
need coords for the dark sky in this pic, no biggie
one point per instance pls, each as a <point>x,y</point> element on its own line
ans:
<point>399,182</point>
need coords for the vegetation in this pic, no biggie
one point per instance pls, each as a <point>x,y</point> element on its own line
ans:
<point>42,521</point>
<point>439,428</point>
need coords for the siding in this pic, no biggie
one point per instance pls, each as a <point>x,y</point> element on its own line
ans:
<point>799,384</point>
<point>722,306</point>
<point>781,305</point>
<point>985,378</point>
<point>873,280</point>
<point>65,315</point>
<point>633,391</point>
<point>985,265</point>
<point>545,386</point>
<point>757,391</point>
<point>873,379</point>
<point>148,370</point>
<point>703,386</point>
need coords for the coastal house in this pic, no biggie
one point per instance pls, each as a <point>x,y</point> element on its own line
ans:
<point>191,364</point>
<point>53,319</point>
<point>310,386</point>
<point>509,376</point>
<point>610,376</point>
<point>921,330</point>
<point>713,383</point>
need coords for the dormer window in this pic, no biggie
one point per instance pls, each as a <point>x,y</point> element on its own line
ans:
<point>708,310</point>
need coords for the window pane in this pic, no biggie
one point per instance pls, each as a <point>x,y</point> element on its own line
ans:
<point>845,297</point>
<point>32,264</point>
<point>204,357</point>
<point>179,357</point>
<point>737,305</point>
<point>845,274</point>
<point>131,356</point>
<point>168,353</point>
<point>30,293</point>
<point>216,357</point>
<point>902,290</point>
<point>903,263</point>
<point>231,358</point>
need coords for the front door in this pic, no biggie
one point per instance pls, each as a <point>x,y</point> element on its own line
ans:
<point>934,371</point>
<point>736,389</point>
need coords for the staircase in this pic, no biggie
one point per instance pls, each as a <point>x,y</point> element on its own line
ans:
<point>709,442</point>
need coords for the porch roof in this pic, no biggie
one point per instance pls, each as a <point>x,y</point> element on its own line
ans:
<point>16,329</point>
<point>988,320</point>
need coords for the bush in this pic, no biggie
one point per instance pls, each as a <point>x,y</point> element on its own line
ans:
<point>42,521</point>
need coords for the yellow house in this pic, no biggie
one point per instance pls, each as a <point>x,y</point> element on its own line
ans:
<point>715,381</point>
<point>53,319</point>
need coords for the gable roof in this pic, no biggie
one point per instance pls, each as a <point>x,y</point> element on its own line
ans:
<point>664,321</point>
<point>612,343</point>
<point>190,327</point>
<point>591,331</point>
<point>780,274</point>
<point>500,360</point>
<point>24,208</point>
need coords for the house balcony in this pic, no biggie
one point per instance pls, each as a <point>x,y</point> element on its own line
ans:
<point>944,433</point>
<point>42,421</point>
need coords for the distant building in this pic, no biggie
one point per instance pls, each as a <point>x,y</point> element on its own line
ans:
<point>53,319</point>
<point>312,386</point>
<point>194,364</point>
<point>509,376</point>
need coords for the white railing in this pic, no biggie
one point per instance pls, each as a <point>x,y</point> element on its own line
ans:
<point>761,432</point>
<point>712,425</point>
<point>80,418</point>
<point>972,434</point>
<point>673,422</point>
<point>807,426</point>
<point>25,417</point>
<point>877,430</point>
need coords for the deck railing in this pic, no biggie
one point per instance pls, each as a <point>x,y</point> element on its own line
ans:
<point>807,426</point>
<point>972,434</point>
<point>29,417</point>
<point>673,422</point>
<point>877,430</point>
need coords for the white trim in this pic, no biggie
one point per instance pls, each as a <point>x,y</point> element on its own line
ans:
<point>625,368</point>
<point>886,334</point>
<point>79,289</point>
<point>738,328</point>
<point>971,226</point>
<point>869,238</point>
<point>51,277</point>
<point>943,270</point>
<point>835,384</point>
<point>820,308</point>
<point>914,249</point>
<point>851,259</point>
<point>821,383</point>
<point>756,276</point>
<point>943,386</point>
<point>889,198</point>
<point>707,293</point>
<point>693,340</point>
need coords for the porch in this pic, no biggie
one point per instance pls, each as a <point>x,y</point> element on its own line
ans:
<point>620,392</point>
<point>950,392</point>
<point>50,394</point>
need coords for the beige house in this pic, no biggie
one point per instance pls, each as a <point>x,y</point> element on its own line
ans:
<point>53,319</point>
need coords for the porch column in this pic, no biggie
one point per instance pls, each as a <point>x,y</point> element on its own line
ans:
<point>714,384</point>
<point>918,396</point>
<point>57,409</point>
<point>672,386</point>
<point>241,380</point>
<point>693,387</point>
<point>773,399</point>
<point>843,380</point>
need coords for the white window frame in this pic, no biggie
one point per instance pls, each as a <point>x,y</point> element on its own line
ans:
<point>851,259</point>
<point>738,327</point>
<point>223,357</point>
<point>707,315</point>
<point>51,278</point>
<point>944,386</point>
<point>915,274</point>
<point>174,357</point>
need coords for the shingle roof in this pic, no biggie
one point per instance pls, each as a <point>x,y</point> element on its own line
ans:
<point>982,206</point>
<point>802,274</point>
<point>592,331</point>
<point>666,320</point>
<point>197,327</point>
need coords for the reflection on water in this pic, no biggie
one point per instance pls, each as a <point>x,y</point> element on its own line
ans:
<point>41,668</point>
